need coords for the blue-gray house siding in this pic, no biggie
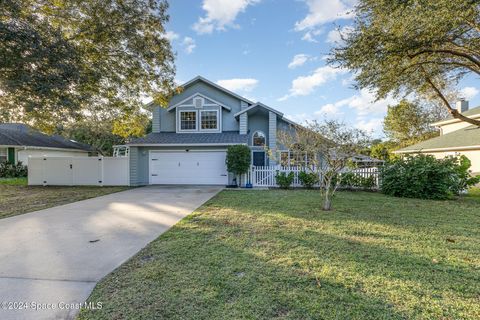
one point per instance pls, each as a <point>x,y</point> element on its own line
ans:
<point>251,117</point>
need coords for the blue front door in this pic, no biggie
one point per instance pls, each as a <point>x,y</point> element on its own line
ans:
<point>259,158</point>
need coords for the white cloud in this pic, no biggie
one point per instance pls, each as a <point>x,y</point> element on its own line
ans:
<point>170,35</point>
<point>369,113</point>
<point>370,125</point>
<point>305,85</point>
<point>220,14</point>
<point>364,103</point>
<point>244,85</point>
<point>324,11</point>
<point>298,60</point>
<point>189,44</point>
<point>310,35</point>
<point>300,117</point>
<point>329,109</point>
<point>335,35</point>
<point>468,93</point>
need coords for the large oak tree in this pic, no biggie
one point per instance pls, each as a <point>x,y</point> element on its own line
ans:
<point>64,60</point>
<point>422,47</point>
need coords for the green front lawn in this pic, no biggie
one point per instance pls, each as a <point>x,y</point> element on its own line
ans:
<point>17,198</point>
<point>275,255</point>
<point>13,181</point>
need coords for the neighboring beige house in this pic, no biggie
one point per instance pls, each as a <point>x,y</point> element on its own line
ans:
<point>18,142</point>
<point>456,138</point>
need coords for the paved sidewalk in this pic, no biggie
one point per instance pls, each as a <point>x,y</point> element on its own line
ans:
<point>54,257</point>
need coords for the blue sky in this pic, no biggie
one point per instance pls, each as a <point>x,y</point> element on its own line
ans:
<point>274,51</point>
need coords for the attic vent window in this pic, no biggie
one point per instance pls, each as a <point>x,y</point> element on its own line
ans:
<point>198,102</point>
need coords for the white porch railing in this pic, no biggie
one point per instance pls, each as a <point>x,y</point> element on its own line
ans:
<point>264,176</point>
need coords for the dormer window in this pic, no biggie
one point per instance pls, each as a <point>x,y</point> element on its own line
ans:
<point>188,120</point>
<point>259,139</point>
<point>209,120</point>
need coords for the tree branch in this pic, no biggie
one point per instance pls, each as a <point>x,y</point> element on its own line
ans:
<point>452,111</point>
<point>448,51</point>
<point>458,64</point>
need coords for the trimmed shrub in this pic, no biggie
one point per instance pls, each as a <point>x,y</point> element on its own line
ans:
<point>367,183</point>
<point>425,177</point>
<point>238,159</point>
<point>350,180</point>
<point>9,170</point>
<point>284,180</point>
<point>308,180</point>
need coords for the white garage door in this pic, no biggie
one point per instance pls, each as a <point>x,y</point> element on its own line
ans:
<point>188,167</point>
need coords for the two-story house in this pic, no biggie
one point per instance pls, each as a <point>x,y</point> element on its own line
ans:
<point>189,138</point>
<point>456,138</point>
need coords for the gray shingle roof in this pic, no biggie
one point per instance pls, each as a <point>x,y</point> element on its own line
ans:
<point>467,137</point>
<point>230,137</point>
<point>16,134</point>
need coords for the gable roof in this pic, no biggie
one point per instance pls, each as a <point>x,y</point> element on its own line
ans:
<point>191,139</point>
<point>213,84</point>
<point>464,139</point>
<point>17,134</point>
<point>201,95</point>
<point>210,83</point>
<point>261,105</point>
<point>256,105</point>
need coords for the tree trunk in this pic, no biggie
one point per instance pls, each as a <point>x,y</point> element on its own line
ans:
<point>327,204</point>
<point>327,201</point>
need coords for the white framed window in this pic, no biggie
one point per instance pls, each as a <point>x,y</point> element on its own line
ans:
<point>208,120</point>
<point>188,121</point>
<point>259,139</point>
<point>3,155</point>
<point>284,158</point>
<point>291,159</point>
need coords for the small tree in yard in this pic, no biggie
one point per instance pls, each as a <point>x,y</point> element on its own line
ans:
<point>238,159</point>
<point>329,147</point>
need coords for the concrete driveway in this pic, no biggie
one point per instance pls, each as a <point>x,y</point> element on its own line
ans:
<point>51,259</point>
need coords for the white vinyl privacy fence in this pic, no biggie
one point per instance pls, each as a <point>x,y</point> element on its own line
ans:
<point>265,176</point>
<point>78,171</point>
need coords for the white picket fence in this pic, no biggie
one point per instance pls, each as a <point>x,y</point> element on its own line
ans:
<point>78,171</point>
<point>265,176</point>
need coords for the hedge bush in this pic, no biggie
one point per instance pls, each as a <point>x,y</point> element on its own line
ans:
<point>425,177</point>
<point>308,179</point>
<point>9,170</point>
<point>284,180</point>
<point>351,180</point>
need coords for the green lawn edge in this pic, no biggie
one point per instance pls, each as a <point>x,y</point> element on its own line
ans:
<point>275,255</point>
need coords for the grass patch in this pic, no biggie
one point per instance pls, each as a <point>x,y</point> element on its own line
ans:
<point>13,181</point>
<point>275,255</point>
<point>18,198</point>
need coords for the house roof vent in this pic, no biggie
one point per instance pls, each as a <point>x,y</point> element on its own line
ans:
<point>198,102</point>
